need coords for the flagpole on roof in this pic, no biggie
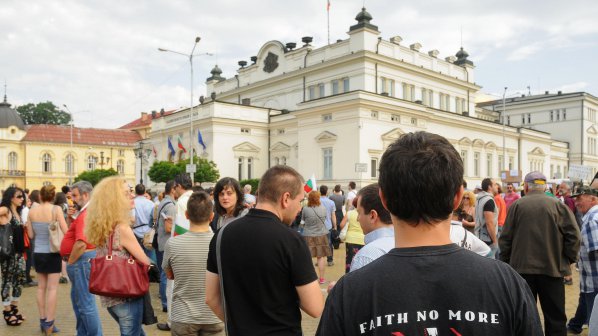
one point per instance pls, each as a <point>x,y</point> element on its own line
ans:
<point>328,18</point>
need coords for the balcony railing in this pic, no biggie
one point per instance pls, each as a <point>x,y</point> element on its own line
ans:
<point>6,172</point>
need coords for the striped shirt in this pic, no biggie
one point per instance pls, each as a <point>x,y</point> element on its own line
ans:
<point>588,251</point>
<point>186,255</point>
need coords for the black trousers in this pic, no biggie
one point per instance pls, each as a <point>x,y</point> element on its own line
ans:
<point>552,300</point>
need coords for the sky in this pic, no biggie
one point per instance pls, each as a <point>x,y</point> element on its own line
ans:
<point>101,58</point>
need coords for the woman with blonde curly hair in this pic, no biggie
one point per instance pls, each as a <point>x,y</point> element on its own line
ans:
<point>315,233</point>
<point>108,219</point>
<point>466,210</point>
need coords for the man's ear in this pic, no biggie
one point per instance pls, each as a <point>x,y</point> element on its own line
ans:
<point>383,199</point>
<point>186,214</point>
<point>284,200</point>
<point>458,197</point>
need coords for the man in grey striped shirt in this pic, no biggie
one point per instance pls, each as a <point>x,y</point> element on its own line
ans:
<point>185,258</point>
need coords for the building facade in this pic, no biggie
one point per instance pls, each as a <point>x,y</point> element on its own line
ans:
<point>332,111</point>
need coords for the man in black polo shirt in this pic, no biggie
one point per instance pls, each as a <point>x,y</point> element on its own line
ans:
<point>266,267</point>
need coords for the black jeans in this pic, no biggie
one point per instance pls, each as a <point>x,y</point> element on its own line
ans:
<point>581,316</point>
<point>551,291</point>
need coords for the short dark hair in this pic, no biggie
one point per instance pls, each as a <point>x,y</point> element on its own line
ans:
<point>352,185</point>
<point>140,189</point>
<point>197,188</point>
<point>199,207</point>
<point>60,199</point>
<point>276,181</point>
<point>420,174</point>
<point>26,191</point>
<point>487,182</point>
<point>324,190</point>
<point>183,180</point>
<point>34,196</point>
<point>168,186</point>
<point>369,199</point>
<point>337,188</point>
<point>234,185</point>
<point>65,189</point>
<point>464,184</point>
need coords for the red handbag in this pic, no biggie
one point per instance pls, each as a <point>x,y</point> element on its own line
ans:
<point>114,276</point>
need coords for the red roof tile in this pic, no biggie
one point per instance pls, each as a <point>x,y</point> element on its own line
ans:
<point>87,136</point>
<point>144,121</point>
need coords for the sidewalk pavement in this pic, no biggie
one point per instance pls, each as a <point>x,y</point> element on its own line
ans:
<point>65,319</point>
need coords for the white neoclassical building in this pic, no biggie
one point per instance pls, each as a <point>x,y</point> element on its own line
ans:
<point>332,111</point>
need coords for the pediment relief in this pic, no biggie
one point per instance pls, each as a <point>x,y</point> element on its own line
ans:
<point>392,135</point>
<point>478,143</point>
<point>326,137</point>
<point>246,147</point>
<point>465,141</point>
<point>280,146</point>
<point>490,145</point>
<point>592,130</point>
<point>537,151</point>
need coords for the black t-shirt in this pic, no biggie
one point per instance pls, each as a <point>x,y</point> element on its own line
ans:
<point>490,205</point>
<point>433,290</point>
<point>263,260</point>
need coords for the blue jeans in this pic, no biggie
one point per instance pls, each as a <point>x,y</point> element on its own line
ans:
<point>129,317</point>
<point>84,303</point>
<point>160,257</point>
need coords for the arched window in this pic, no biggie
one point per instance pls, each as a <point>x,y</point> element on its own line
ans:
<point>120,167</point>
<point>283,161</point>
<point>69,164</point>
<point>46,163</point>
<point>12,161</point>
<point>240,168</point>
<point>92,162</point>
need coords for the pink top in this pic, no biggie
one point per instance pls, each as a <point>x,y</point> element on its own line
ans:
<point>510,198</point>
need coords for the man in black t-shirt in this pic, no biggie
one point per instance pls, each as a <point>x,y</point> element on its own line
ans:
<point>486,216</point>
<point>266,270</point>
<point>427,285</point>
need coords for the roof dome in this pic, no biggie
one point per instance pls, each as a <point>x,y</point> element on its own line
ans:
<point>216,72</point>
<point>363,19</point>
<point>462,57</point>
<point>10,117</point>
<point>363,16</point>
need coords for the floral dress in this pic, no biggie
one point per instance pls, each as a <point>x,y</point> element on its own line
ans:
<point>13,270</point>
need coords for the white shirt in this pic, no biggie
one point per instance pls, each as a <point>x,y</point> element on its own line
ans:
<point>467,240</point>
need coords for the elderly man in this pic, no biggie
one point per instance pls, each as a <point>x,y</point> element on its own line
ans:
<point>540,240</point>
<point>248,198</point>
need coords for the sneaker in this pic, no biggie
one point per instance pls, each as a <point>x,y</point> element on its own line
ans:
<point>163,326</point>
<point>331,263</point>
<point>322,281</point>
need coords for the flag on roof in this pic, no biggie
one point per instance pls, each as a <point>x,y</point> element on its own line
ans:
<point>171,147</point>
<point>155,151</point>
<point>310,184</point>
<point>180,145</point>
<point>200,140</point>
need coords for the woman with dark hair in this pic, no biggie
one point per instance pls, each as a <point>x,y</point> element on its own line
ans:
<point>35,201</point>
<point>13,267</point>
<point>48,265</point>
<point>61,201</point>
<point>315,232</point>
<point>228,202</point>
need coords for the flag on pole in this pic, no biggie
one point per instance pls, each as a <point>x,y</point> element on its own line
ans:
<point>171,148</point>
<point>180,145</point>
<point>310,184</point>
<point>181,225</point>
<point>328,5</point>
<point>155,151</point>
<point>200,140</point>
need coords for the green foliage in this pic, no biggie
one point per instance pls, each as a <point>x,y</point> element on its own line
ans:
<point>164,171</point>
<point>95,176</point>
<point>253,182</point>
<point>43,113</point>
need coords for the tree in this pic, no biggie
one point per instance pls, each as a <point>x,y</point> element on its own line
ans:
<point>43,113</point>
<point>95,176</point>
<point>163,171</point>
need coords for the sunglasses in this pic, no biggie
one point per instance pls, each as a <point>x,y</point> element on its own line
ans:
<point>20,196</point>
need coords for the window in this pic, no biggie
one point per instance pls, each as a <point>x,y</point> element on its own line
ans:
<point>46,183</point>
<point>121,152</point>
<point>335,87</point>
<point>240,168</point>
<point>345,84</point>
<point>464,159</point>
<point>12,161</point>
<point>321,90</point>
<point>46,163</point>
<point>458,105</point>
<point>387,86</point>
<point>374,168</point>
<point>476,164</point>
<point>448,102</point>
<point>276,161</point>
<point>501,163</point>
<point>523,119</point>
<point>92,162</point>
<point>430,98</point>
<point>558,115</point>
<point>564,114</point>
<point>245,130</point>
<point>551,118</point>
<point>509,120</point>
<point>414,121</point>
<point>529,118</point>
<point>312,92</point>
<point>395,117</point>
<point>374,114</point>
<point>442,102</point>
<point>69,164</point>
<point>511,162</point>
<point>326,117</point>
<point>408,92</point>
<point>120,167</point>
<point>283,161</point>
<point>592,145</point>
<point>489,165</point>
<point>327,153</point>
<point>552,171</point>
<point>249,168</point>
<point>425,98</point>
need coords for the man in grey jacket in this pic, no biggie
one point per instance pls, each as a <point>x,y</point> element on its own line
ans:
<point>540,240</point>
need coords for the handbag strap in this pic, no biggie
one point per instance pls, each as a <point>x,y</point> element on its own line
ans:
<point>219,263</point>
<point>314,210</point>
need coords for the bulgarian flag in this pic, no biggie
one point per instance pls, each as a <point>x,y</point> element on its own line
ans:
<point>310,184</point>
<point>181,145</point>
<point>155,151</point>
<point>181,225</point>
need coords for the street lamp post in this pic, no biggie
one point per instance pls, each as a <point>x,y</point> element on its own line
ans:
<point>190,56</point>
<point>71,164</point>
<point>141,154</point>
<point>504,118</point>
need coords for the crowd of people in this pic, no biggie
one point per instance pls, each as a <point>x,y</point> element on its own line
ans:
<point>423,253</point>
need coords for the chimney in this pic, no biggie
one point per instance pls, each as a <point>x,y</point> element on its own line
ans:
<point>415,46</point>
<point>434,53</point>
<point>546,92</point>
<point>143,116</point>
<point>560,93</point>
<point>161,112</point>
<point>396,40</point>
<point>154,114</point>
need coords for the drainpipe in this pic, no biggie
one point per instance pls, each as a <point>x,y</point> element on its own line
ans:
<point>269,159</point>
<point>581,133</point>
<point>376,65</point>
<point>238,85</point>
<point>305,66</point>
